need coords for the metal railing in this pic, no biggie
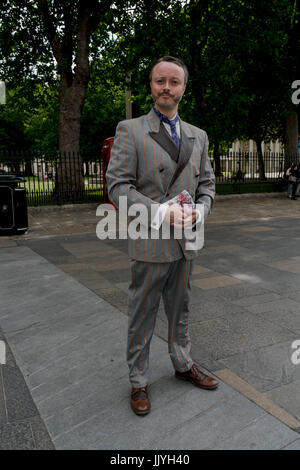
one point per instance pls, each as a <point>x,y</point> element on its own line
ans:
<point>238,167</point>
<point>74,178</point>
<point>56,179</point>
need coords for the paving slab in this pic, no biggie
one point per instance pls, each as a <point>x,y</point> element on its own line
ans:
<point>277,306</point>
<point>72,405</point>
<point>262,434</point>
<point>293,446</point>
<point>265,368</point>
<point>239,291</point>
<point>18,401</point>
<point>17,436</point>
<point>237,334</point>
<point>282,317</point>
<point>261,400</point>
<point>208,427</point>
<point>73,359</point>
<point>287,396</point>
<point>215,282</point>
<point>259,299</point>
<point>21,426</point>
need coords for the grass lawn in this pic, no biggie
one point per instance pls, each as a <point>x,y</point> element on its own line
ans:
<point>243,188</point>
<point>41,192</point>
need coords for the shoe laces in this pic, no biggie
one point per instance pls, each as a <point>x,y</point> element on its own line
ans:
<point>140,394</point>
<point>197,372</point>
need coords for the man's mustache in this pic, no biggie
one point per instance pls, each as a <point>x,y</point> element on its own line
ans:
<point>168,94</point>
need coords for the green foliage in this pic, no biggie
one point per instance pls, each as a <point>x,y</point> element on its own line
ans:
<point>41,125</point>
<point>30,121</point>
<point>237,54</point>
<point>12,122</point>
<point>104,107</point>
<point>25,53</point>
<point>242,57</point>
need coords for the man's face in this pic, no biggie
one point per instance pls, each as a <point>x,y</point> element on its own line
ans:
<point>167,86</point>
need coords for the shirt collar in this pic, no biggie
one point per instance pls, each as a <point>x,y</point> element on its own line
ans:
<point>159,114</point>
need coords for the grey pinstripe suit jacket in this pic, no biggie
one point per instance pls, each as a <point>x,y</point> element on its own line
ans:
<point>143,167</point>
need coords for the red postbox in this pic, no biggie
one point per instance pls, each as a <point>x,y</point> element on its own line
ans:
<point>105,156</point>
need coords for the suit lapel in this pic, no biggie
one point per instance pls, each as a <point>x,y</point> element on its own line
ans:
<point>186,149</point>
<point>163,138</point>
<point>160,135</point>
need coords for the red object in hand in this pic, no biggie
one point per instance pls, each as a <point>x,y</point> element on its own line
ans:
<point>105,157</point>
<point>182,199</point>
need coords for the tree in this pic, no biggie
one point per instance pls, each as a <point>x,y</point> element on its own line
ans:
<point>242,57</point>
<point>237,54</point>
<point>269,62</point>
<point>292,72</point>
<point>49,39</point>
<point>104,108</point>
<point>239,60</point>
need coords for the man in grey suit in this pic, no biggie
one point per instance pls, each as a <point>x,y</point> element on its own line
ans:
<point>154,158</point>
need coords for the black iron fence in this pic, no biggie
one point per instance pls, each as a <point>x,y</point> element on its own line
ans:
<point>72,178</point>
<point>56,179</point>
<point>238,167</point>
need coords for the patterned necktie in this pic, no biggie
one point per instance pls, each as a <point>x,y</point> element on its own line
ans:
<point>172,124</point>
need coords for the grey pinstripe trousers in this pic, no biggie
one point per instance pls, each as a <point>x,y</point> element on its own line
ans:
<point>148,282</point>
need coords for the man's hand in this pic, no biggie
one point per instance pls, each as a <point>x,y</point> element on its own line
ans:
<point>181,217</point>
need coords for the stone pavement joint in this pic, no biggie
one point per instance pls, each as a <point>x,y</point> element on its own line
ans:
<point>229,377</point>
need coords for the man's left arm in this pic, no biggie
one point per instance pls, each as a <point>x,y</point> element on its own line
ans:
<point>205,191</point>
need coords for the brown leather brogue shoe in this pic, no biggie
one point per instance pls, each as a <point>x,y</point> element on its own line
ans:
<point>140,402</point>
<point>198,378</point>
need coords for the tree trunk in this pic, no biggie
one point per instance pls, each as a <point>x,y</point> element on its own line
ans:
<point>291,139</point>
<point>261,163</point>
<point>69,179</point>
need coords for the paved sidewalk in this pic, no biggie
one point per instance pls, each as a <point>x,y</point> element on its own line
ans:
<point>63,319</point>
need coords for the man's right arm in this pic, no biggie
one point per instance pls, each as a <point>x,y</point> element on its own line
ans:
<point>122,167</point>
